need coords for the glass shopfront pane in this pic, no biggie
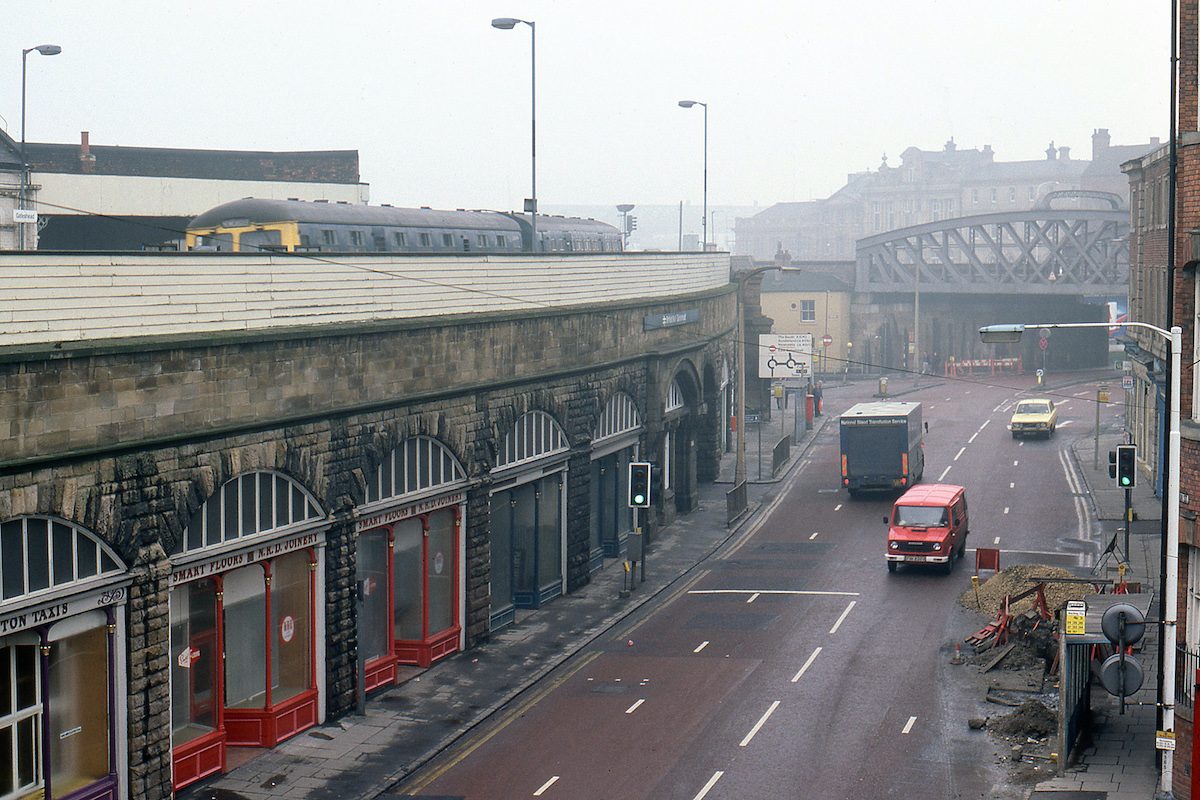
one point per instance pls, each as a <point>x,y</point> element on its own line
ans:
<point>501,556</point>
<point>245,638</point>
<point>549,541</point>
<point>441,570</point>
<point>524,540</point>
<point>407,587</point>
<point>79,723</point>
<point>373,569</point>
<point>194,659</point>
<point>608,498</point>
<point>20,727</point>
<point>291,626</point>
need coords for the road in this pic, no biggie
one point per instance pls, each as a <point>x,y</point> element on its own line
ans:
<point>793,664</point>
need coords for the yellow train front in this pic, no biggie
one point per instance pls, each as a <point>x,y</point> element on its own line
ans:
<point>255,225</point>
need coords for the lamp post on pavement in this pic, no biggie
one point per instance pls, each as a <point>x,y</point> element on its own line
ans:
<point>507,24</point>
<point>1170,588</point>
<point>46,50</point>
<point>704,216</point>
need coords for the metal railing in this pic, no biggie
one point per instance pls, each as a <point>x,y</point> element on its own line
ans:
<point>780,455</point>
<point>1187,662</point>
<point>735,503</point>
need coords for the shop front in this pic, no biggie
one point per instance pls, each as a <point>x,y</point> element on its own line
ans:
<point>528,517</point>
<point>614,446</point>
<point>246,622</point>
<point>410,539</point>
<point>62,663</point>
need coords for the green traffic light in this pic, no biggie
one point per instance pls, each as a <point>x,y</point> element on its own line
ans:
<point>639,498</point>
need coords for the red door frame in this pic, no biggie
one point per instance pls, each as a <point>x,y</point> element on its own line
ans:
<point>381,670</point>
<point>205,755</point>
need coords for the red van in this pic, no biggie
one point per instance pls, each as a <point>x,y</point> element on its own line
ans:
<point>928,525</point>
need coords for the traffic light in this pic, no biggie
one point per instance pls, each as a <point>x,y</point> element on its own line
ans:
<point>1126,466</point>
<point>639,484</point>
<point>632,223</point>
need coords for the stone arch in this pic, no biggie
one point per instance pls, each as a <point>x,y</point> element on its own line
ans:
<point>417,465</point>
<point>533,436</point>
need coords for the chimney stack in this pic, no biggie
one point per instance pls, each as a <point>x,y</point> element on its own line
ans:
<point>1100,142</point>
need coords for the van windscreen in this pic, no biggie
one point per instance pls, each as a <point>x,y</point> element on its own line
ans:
<point>921,517</point>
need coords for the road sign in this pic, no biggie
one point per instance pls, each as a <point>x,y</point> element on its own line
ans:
<point>826,340</point>
<point>1040,372</point>
<point>1127,382</point>
<point>1076,617</point>
<point>785,355</point>
<point>1043,343</point>
<point>1044,333</point>
<point>24,215</point>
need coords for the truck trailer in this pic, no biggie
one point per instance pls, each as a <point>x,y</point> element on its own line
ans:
<point>882,446</point>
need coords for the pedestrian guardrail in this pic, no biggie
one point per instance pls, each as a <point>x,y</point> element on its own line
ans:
<point>735,503</point>
<point>780,455</point>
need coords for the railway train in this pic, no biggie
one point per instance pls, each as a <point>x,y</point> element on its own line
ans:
<point>256,225</point>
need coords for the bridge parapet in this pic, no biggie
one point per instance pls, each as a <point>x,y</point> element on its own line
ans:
<point>1037,251</point>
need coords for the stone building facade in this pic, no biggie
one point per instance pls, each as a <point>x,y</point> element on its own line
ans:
<point>225,484</point>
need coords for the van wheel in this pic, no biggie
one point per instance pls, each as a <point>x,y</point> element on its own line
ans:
<point>891,566</point>
<point>948,567</point>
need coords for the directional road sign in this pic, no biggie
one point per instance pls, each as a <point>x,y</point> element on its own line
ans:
<point>785,355</point>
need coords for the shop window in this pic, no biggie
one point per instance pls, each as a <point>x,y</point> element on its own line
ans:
<point>245,604</point>
<point>194,661</point>
<point>501,587</point>
<point>440,568</point>
<point>79,723</point>
<point>20,719</point>
<point>291,626</point>
<point>407,566</point>
<point>372,555</point>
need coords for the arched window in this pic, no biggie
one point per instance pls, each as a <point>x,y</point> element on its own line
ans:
<point>40,554</point>
<point>535,435</point>
<point>420,463</point>
<point>253,504</point>
<point>674,397</point>
<point>620,416</point>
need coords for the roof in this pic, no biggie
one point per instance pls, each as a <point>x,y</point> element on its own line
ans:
<point>930,494</point>
<point>791,280</point>
<point>882,408</point>
<point>310,166</point>
<point>251,209</point>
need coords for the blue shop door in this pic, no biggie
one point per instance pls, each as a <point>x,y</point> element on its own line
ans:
<point>524,547</point>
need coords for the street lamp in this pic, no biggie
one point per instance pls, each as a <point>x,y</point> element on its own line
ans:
<point>704,218</point>
<point>46,50</point>
<point>507,24</point>
<point>1011,334</point>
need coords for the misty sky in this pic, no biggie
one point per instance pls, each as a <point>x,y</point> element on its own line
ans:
<point>437,102</point>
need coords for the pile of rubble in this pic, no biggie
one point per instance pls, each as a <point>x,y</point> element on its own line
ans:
<point>1017,579</point>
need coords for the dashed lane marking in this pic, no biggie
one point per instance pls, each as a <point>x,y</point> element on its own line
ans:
<point>838,507</point>
<point>1012,485</point>
<point>842,618</point>
<point>703,645</point>
<point>1006,509</point>
<point>752,598</point>
<point>758,725</point>
<point>996,540</point>
<point>545,786</point>
<point>807,664</point>
<point>711,783</point>
<point>943,475</point>
<point>908,725</point>
<point>814,535</point>
<point>634,707</point>
<point>961,450</point>
<point>972,439</point>
<point>1015,462</point>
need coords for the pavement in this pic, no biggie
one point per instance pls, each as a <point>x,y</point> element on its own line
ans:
<point>409,725</point>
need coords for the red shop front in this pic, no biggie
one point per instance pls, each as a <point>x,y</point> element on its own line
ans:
<point>246,629</point>
<point>409,572</point>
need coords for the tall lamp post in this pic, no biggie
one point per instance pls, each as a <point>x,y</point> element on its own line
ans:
<point>704,218</point>
<point>1170,589</point>
<point>46,50</point>
<point>507,24</point>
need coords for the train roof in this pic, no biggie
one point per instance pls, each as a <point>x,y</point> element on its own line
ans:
<point>254,210</point>
<point>550,224</point>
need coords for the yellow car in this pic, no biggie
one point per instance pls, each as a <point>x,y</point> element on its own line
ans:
<point>1034,417</point>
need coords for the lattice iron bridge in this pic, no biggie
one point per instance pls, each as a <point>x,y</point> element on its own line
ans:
<point>1036,251</point>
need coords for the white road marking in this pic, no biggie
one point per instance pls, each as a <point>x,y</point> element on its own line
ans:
<point>943,475</point>
<point>1081,515</point>
<point>838,507</point>
<point>1015,462</point>
<point>972,439</point>
<point>758,725</point>
<point>997,540</point>
<point>773,591</point>
<point>1080,394</point>
<point>1006,509</point>
<point>807,664</point>
<point>908,725</point>
<point>814,535</point>
<point>984,425</point>
<point>711,783</point>
<point>997,408</point>
<point>633,707</point>
<point>545,786</point>
<point>961,450</point>
<point>703,645</point>
<point>842,618</point>
<point>1064,423</point>
<point>1012,485</point>
<point>752,598</point>
<point>1020,444</point>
